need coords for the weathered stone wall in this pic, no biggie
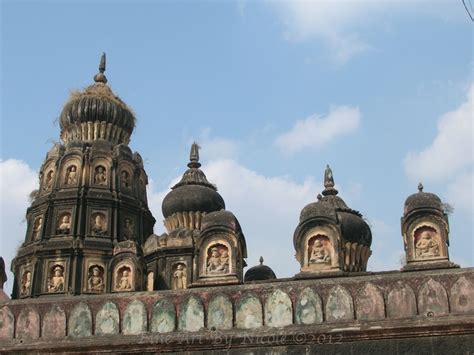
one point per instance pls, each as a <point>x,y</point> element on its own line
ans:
<point>283,313</point>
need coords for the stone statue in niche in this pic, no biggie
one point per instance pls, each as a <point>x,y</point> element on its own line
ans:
<point>98,224</point>
<point>125,179</point>
<point>179,278</point>
<point>71,175</point>
<point>95,282</point>
<point>25,283</point>
<point>37,226</point>
<point>150,281</point>
<point>124,282</point>
<point>64,225</point>
<point>426,243</point>
<point>56,281</point>
<point>218,260</point>
<point>100,177</point>
<point>48,181</point>
<point>319,252</point>
<point>328,177</point>
<point>128,229</point>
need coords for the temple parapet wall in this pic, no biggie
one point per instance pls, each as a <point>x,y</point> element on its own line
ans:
<point>371,305</point>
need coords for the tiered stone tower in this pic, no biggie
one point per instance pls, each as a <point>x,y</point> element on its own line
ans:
<point>89,218</point>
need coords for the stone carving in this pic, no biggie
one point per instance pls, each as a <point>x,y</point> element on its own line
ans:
<point>37,226</point>
<point>124,279</point>
<point>164,317</point>
<point>150,281</point>
<point>179,277</point>
<point>134,318</point>
<point>98,224</point>
<point>308,308</point>
<point>7,321</point>
<point>48,180</point>
<point>28,324</point>
<point>426,243</point>
<point>64,224</point>
<point>401,302</point>
<point>278,309</point>
<point>56,280</point>
<point>217,260</point>
<point>100,176</point>
<point>80,321</point>
<point>54,323</point>
<point>339,305</point>
<point>25,283</point>
<point>71,175</point>
<point>369,303</point>
<point>219,314</point>
<point>319,250</point>
<point>95,281</point>
<point>107,319</point>
<point>128,229</point>
<point>191,315</point>
<point>249,313</point>
<point>328,177</point>
<point>461,300</point>
<point>432,298</point>
<point>125,180</point>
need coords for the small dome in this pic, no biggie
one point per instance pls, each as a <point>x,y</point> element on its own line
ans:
<point>96,113</point>
<point>354,228</point>
<point>422,200</point>
<point>221,218</point>
<point>193,192</point>
<point>259,273</point>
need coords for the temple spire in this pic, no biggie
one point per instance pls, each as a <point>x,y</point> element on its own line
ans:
<point>100,76</point>
<point>329,182</point>
<point>420,187</point>
<point>194,156</point>
<point>261,260</point>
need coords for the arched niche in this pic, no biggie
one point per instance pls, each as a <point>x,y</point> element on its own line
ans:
<point>308,308</point>
<point>80,321</point>
<point>191,315</point>
<point>28,324</point>
<point>370,303</point>
<point>134,318</point>
<point>278,309</point>
<point>339,305</point>
<point>462,293</point>
<point>433,299</point>
<point>249,314</point>
<point>107,319</point>
<point>164,317</point>
<point>401,302</point>
<point>54,323</point>
<point>7,323</point>
<point>220,314</point>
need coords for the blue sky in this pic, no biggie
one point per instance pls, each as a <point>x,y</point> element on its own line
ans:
<point>272,91</point>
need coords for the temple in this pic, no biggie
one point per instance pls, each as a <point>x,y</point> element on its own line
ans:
<point>91,276</point>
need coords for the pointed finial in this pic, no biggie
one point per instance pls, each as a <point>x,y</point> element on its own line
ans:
<point>420,187</point>
<point>329,182</point>
<point>194,156</point>
<point>261,260</point>
<point>100,76</point>
<point>319,197</point>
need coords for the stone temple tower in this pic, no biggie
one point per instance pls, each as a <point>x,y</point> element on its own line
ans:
<point>89,218</point>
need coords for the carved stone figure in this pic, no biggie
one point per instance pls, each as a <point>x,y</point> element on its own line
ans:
<point>150,281</point>
<point>56,282</point>
<point>218,262</point>
<point>124,282</point>
<point>100,178</point>
<point>64,226</point>
<point>128,229</point>
<point>319,253</point>
<point>179,278</point>
<point>427,245</point>
<point>95,282</point>
<point>125,179</point>
<point>38,225</point>
<point>48,181</point>
<point>25,283</point>
<point>328,177</point>
<point>99,226</point>
<point>71,175</point>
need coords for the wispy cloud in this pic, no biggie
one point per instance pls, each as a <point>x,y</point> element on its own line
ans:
<point>317,131</point>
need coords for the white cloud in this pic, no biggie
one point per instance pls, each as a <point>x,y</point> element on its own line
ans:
<point>461,192</point>
<point>317,131</point>
<point>217,147</point>
<point>451,150</point>
<point>17,181</point>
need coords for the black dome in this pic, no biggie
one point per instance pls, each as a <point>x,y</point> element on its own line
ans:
<point>354,228</point>
<point>259,273</point>
<point>422,200</point>
<point>221,218</point>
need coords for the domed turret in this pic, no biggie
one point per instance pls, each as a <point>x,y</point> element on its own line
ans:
<point>96,113</point>
<point>191,197</point>
<point>259,273</point>
<point>422,200</point>
<point>331,236</point>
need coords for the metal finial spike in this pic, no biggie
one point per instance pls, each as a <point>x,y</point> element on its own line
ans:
<point>261,260</point>
<point>100,76</point>
<point>329,182</point>
<point>194,156</point>
<point>420,187</point>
